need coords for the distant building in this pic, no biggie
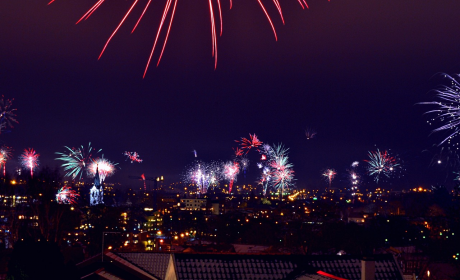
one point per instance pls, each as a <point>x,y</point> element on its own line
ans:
<point>193,204</point>
<point>97,191</point>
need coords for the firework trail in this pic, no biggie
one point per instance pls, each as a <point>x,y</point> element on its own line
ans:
<point>132,156</point>
<point>230,171</point>
<point>248,144</point>
<point>5,155</point>
<point>265,178</point>
<point>447,112</point>
<point>7,115</point>
<point>76,160</point>
<point>244,163</point>
<point>215,14</point>
<point>106,168</point>
<point>195,153</point>
<point>66,195</point>
<point>330,175</point>
<point>354,177</point>
<point>29,159</point>
<point>310,133</point>
<point>381,163</point>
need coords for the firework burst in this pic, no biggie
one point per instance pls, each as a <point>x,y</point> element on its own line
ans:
<point>29,159</point>
<point>5,155</point>
<point>7,115</point>
<point>132,156</point>
<point>329,174</point>
<point>381,163</point>
<point>105,167</point>
<point>248,144</point>
<point>203,175</point>
<point>76,160</point>
<point>447,112</point>
<point>282,173</point>
<point>164,28</point>
<point>230,171</point>
<point>66,195</point>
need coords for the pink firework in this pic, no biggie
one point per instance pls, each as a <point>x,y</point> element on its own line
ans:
<point>238,152</point>
<point>231,170</point>
<point>215,14</point>
<point>133,156</point>
<point>330,175</point>
<point>29,159</point>
<point>248,144</point>
<point>5,155</point>
<point>66,195</point>
<point>103,166</point>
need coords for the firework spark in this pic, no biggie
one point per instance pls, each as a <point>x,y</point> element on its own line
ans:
<point>230,171</point>
<point>105,167</point>
<point>215,14</point>
<point>447,113</point>
<point>66,195</point>
<point>310,133</point>
<point>203,175</point>
<point>282,173</point>
<point>76,160</point>
<point>248,144</point>
<point>381,163</point>
<point>330,175</point>
<point>5,155</point>
<point>132,156</point>
<point>7,115</point>
<point>29,159</point>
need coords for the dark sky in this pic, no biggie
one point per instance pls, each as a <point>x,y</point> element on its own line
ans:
<point>351,69</point>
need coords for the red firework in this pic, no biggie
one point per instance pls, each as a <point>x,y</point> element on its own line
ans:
<point>66,196</point>
<point>238,152</point>
<point>29,159</point>
<point>169,10</point>
<point>248,144</point>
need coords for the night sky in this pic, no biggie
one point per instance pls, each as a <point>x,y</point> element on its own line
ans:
<point>351,69</point>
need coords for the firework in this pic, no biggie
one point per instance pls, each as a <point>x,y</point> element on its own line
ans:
<point>238,152</point>
<point>29,159</point>
<point>106,168</point>
<point>215,14</point>
<point>354,177</point>
<point>132,156</point>
<point>381,163</point>
<point>310,133</point>
<point>76,160</point>
<point>7,115</point>
<point>66,195</point>
<point>265,179</point>
<point>248,144</point>
<point>230,171</point>
<point>282,173</point>
<point>194,152</point>
<point>329,174</point>
<point>447,112</point>
<point>5,155</point>
<point>203,175</point>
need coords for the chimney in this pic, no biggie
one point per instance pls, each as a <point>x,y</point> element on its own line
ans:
<point>368,268</point>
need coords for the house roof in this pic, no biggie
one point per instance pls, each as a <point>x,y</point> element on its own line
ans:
<point>238,266</point>
<point>154,263</point>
